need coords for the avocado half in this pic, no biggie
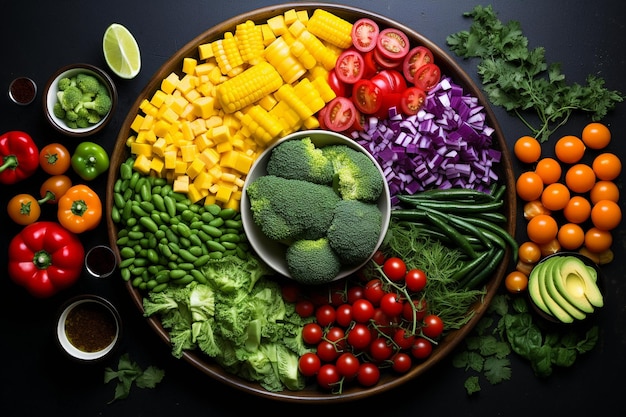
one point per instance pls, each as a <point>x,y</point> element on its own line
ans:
<point>565,287</point>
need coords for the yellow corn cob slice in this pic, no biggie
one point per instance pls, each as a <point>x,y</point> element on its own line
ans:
<point>227,55</point>
<point>278,53</point>
<point>331,28</point>
<point>246,88</point>
<point>287,93</point>
<point>250,40</point>
<point>317,49</point>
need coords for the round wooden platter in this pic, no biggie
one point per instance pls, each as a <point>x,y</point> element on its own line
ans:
<point>448,67</point>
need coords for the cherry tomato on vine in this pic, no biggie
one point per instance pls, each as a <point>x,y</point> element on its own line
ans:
<point>312,333</point>
<point>379,257</point>
<point>309,364</point>
<point>354,293</point>
<point>362,310</point>
<point>325,315</point>
<point>403,338</point>
<point>368,374</point>
<point>391,304</point>
<point>348,365</point>
<point>415,280</point>
<point>394,268</point>
<point>344,315</point>
<point>55,159</point>
<point>305,308</point>
<point>359,336</point>
<point>433,326</point>
<point>328,376</point>
<point>422,348</point>
<point>290,292</point>
<point>401,362</point>
<point>374,291</point>
<point>380,349</point>
<point>421,308</point>
<point>327,351</point>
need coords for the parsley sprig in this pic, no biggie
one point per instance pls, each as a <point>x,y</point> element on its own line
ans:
<point>128,373</point>
<point>521,81</point>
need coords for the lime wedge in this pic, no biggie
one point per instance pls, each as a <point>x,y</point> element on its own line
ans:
<point>121,51</point>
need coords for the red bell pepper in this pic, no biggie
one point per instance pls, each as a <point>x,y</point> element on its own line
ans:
<point>20,156</point>
<point>45,258</point>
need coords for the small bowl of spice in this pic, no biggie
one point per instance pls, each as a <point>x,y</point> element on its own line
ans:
<point>22,91</point>
<point>88,328</point>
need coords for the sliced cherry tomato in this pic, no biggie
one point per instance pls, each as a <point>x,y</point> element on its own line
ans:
<point>350,66</point>
<point>414,60</point>
<point>371,64</point>
<point>364,34</point>
<point>340,114</point>
<point>390,101</point>
<point>386,63</point>
<point>390,81</point>
<point>392,44</point>
<point>338,86</point>
<point>412,99</point>
<point>366,96</point>
<point>427,77</point>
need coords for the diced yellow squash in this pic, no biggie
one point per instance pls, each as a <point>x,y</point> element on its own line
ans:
<point>169,115</point>
<point>168,85</point>
<point>189,65</point>
<point>158,147</point>
<point>161,128</point>
<point>303,16</point>
<point>194,194</point>
<point>202,142</point>
<point>170,160</point>
<point>142,164</point>
<point>268,35</point>
<point>224,147</point>
<point>220,134</point>
<point>181,184</point>
<point>223,193</point>
<point>188,153</point>
<point>181,167</point>
<point>195,168</point>
<point>144,149</point>
<point>158,98</point>
<point>157,164</point>
<point>204,107</point>
<point>147,107</point>
<point>137,121</point>
<point>290,16</point>
<point>205,51</point>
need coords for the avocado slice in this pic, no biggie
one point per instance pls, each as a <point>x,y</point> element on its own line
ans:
<point>554,275</point>
<point>533,287</point>
<point>578,284</point>
<point>555,308</point>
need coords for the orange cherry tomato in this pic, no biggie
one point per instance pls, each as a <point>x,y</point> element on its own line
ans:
<point>527,149</point>
<point>604,190</point>
<point>529,186</point>
<point>597,240</point>
<point>23,209</point>
<point>569,149</point>
<point>606,215</point>
<point>57,186</point>
<point>607,166</point>
<point>529,252</point>
<point>577,210</point>
<point>571,236</point>
<point>596,135</point>
<point>549,169</point>
<point>533,208</point>
<point>516,282</point>
<point>54,159</point>
<point>542,229</point>
<point>580,178</point>
<point>555,196</point>
<point>550,247</point>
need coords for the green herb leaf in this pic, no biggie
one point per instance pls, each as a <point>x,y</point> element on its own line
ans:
<point>472,385</point>
<point>150,377</point>
<point>521,81</point>
<point>129,372</point>
<point>497,369</point>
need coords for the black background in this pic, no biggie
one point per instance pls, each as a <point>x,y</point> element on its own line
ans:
<point>586,37</point>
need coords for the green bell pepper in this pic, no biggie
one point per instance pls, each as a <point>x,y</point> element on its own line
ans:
<point>90,160</point>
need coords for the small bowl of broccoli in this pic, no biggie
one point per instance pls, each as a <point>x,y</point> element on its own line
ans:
<point>79,100</point>
<point>315,206</point>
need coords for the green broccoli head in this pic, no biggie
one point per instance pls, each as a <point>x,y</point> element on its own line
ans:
<point>288,209</point>
<point>87,83</point>
<point>301,160</point>
<point>64,83</point>
<point>70,97</point>
<point>101,104</point>
<point>58,110</point>
<point>354,231</point>
<point>356,177</point>
<point>312,261</point>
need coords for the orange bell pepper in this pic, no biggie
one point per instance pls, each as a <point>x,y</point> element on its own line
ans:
<point>80,209</point>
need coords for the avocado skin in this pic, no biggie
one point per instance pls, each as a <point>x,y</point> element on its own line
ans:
<point>548,274</point>
<point>556,275</point>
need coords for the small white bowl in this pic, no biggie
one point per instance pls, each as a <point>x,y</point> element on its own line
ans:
<point>50,98</point>
<point>92,320</point>
<point>273,252</point>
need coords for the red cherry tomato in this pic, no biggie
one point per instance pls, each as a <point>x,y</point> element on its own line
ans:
<point>359,336</point>
<point>412,99</point>
<point>420,310</point>
<point>371,64</point>
<point>325,315</point>
<point>305,308</point>
<point>367,96</point>
<point>350,66</point>
<point>414,60</point>
<point>391,304</point>
<point>340,114</point>
<point>348,365</point>
<point>328,376</point>
<point>427,77</point>
<point>380,349</point>
<point>362,310</point>
<point>403,339</point>
<point>422,348</point>
<point>327,351</point>
<point>415,280</point>
<point>344,315</point>
<point>368,375</point>
<point>374,291</point>
<point>364,34</point>
<point>392,44</point>
<point>394,268</point>
<point>337,85</point>
<point>433,326</point>
<point>401,362</point>
<point>309,364</point>
<point>390,81</point>
<point>312,333</point>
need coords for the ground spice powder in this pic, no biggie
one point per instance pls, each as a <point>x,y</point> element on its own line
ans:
<point>22,90</point>
<point>90,327</point>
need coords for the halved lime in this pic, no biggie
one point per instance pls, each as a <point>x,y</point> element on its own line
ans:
<point>121,51</point>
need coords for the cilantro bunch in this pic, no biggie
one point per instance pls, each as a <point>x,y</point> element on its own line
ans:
<point>521,81</point>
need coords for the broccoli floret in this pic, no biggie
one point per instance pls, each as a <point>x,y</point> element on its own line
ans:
<point>101,104</point>
<point>356,177</point>
<point>287,209</point>
<point>70,97</point>
<point>354,231</point>
<point>64,83</point>
<point>58,110</point>
<point>87,83</point>
<point>301,160</point>
<point>312,261</point>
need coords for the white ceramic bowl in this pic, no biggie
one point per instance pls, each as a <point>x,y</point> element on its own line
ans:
<point>50,98</point>
<point>92,320</point>
<point>272,252</point>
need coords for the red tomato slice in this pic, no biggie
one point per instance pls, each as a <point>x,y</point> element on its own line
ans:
<point>414,60</point>
<point>413,99</point>
<point>371,64</point>
<point>390,81</point>
<point>367,96</point>
<point>392,44</point>
<point>340,114</point>
<point>364,34</point>
<point>350,66</point>
<point>386,63</point>
<point>389,100</point>
<point>338,86</point>
<point>427,77</point>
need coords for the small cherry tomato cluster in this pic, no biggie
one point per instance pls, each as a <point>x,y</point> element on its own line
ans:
<point>569,204</point>
<point>363,326</point>
<point>378,73</point>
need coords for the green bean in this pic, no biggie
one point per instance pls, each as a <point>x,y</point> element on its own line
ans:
<point>485,272</point>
